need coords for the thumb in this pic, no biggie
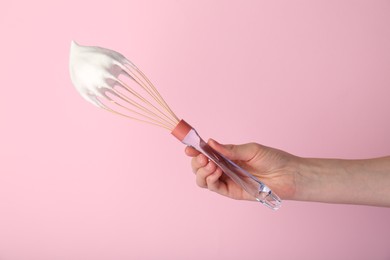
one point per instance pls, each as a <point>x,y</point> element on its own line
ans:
<point>243,152</point>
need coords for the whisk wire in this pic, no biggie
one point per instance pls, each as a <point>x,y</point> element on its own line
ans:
<point>142,81</point>
<point>147,119</point>
<point>146,112</point>
<point>127,88</point>
<point>150,88</point>
<point>163,103</point>
<point>110,81</point>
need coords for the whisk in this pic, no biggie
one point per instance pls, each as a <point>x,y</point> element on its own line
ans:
<point>110,81</point>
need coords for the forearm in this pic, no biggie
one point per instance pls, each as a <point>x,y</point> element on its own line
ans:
<point>365,182</point>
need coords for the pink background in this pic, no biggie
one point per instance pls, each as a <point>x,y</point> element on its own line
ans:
<point>308,77</point>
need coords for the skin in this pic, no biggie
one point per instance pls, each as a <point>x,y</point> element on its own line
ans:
<point>363,182</point>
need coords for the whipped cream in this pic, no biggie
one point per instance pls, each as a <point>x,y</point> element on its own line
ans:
<point>94,70</point>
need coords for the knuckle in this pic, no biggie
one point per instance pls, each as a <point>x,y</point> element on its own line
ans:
<point>195,164</point>
<point>201,184</point>
<point>211,180</point>
<point>201,181</point>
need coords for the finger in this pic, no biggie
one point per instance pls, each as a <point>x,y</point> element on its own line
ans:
<point>198,162</point>
<point>191,151</point>
<point>244,152</point>
<point>203,173</point>
<point>213,180</point>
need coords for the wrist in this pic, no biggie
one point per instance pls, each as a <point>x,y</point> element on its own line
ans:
<point>316,179</point>
<point>364,182</point>
<point>331,181</point>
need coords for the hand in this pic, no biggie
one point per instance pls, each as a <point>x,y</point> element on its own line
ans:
<point>277,169</point>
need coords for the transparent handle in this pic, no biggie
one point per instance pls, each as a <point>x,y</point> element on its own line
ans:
<point>247,181</point>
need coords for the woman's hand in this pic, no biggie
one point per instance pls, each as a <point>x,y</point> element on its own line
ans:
<point>277,169</point>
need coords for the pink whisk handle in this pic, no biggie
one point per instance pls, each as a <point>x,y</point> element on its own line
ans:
<point>261,192</point>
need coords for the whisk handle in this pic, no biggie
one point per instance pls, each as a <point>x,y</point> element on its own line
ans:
<point>188,135</point>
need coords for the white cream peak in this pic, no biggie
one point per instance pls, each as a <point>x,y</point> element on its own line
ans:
<point>94,70</point>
